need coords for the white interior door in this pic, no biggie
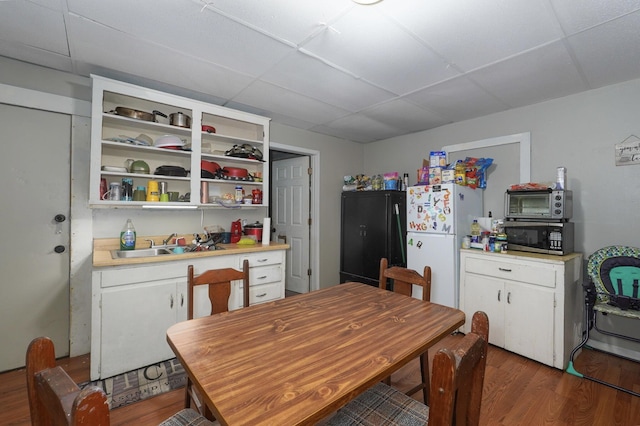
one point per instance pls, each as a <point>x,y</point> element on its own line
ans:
<point>290,217</point>
<point>35,175</point>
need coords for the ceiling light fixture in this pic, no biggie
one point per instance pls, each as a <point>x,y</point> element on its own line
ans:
<point>366,2</point>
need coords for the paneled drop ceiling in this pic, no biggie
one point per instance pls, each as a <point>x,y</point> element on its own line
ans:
<point>362,73</point>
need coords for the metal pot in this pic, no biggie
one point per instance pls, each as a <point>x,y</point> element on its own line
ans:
<point>179,119</point>
<point>254,229</point>
<point>139,115</point>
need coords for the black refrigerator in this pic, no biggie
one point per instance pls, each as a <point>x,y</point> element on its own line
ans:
<point>370,230</point>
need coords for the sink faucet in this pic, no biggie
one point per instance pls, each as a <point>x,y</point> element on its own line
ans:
<point>165,242</point>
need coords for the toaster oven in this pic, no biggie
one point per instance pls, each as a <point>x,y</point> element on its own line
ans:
<point>545,204</point>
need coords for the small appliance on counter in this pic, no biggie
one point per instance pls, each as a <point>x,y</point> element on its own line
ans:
<point>236,231</point>
<point>537,217</point>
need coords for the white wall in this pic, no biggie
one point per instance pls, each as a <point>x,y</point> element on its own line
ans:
<point>578,132</point>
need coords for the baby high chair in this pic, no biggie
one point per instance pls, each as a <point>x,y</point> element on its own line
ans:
<point>611,289</point>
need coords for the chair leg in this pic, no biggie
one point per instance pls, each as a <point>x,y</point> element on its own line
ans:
<point>424,370</point>
<point>424,376</point>
<point>187,394</point>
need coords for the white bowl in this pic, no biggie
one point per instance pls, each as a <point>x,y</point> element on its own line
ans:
<point>169,140</point>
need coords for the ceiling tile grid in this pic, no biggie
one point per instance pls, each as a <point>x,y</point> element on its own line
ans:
<point>362,73</point>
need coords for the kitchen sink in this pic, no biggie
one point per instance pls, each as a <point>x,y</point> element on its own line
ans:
<point>149,252</point>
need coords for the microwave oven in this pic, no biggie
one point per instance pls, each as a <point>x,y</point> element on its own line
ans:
<point>545,204</point>
<point>540,237</point>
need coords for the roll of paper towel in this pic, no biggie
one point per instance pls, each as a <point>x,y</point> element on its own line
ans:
<point>266,231</point>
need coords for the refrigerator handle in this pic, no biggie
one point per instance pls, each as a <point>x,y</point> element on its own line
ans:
<point>499,291</point>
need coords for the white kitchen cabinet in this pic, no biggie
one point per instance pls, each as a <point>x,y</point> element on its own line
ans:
<point>113,142</point>
<point>131,311</point>
<point>533,301</point>
<point>133,306</point>
<point>266,277</point>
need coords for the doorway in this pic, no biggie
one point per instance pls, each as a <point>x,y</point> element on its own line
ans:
<point>293,206</point>
<point>36,175</point>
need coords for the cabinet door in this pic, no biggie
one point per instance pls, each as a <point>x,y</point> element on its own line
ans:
<point>485,294</point>
<point>529,320</point>
<point>364,233</point>
<point>351,238</point>
<point>135,320</point>
<point>376,234</point>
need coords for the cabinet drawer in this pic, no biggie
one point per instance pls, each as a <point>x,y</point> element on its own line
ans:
<point>264,293</point>
<point>266,274</point>
<point>262,259</point>
<point>520,271</point>
<point>116,277</point>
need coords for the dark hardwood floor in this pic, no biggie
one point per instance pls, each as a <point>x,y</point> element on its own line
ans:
<point>517,391</point>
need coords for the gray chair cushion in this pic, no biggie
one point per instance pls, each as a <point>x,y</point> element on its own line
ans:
<point>187,417</point>
<point>381,405</point>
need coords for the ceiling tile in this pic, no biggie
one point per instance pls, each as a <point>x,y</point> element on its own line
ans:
<point>102,47</point>
<point>609,53</point>
<point>360,128</point>
<point>33,26</point>
<point>311,77</point>
<point>471,33</point>
<point>578,15</point>
<point>272,98</point>
<point>183,27</point>
<point>404,116</point>
<point>367,44</point>
<point>289,20</point>
<point>544,73</point>
<point>457,99</point>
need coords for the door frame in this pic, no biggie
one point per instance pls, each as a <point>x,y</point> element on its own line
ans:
<point>314,237</point>
<point>81,226</point>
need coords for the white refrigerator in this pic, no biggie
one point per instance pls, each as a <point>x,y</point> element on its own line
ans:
<point>438,217</point>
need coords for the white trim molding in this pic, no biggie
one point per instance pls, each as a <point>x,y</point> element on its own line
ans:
<point>523,139</point>
<point>19,96</point>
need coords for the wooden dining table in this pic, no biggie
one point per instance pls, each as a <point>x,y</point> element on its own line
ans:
<point>296,360</point>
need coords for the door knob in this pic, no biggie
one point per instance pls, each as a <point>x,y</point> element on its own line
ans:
<point>59,249</point>
<point>60,218</point>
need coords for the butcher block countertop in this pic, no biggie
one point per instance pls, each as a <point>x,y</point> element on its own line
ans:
<point>102,251</point>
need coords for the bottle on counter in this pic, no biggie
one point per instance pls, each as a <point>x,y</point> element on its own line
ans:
<point>128,236</point>
<point>475,231</point>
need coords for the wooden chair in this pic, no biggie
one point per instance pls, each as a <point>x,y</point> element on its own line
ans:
<point>55,399</point>
<point>403,280</point>
<point>456,390</point>
<point>219,283</point>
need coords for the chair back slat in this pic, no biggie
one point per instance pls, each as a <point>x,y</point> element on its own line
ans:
<point>219,287</point>
<point>404,279</point>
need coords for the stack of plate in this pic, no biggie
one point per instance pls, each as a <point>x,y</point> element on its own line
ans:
<point>169,142</point>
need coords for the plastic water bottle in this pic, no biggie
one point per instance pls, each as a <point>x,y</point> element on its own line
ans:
<point>128,236</point>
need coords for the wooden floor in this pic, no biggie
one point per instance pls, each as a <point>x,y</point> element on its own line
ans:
<point>517,391</point>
